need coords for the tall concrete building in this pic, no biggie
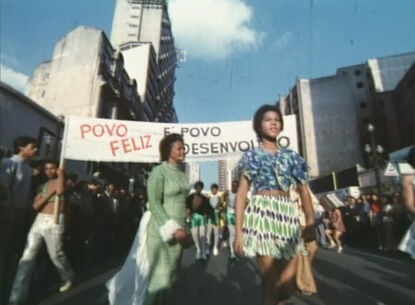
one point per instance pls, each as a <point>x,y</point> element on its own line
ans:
<point>334,112</point>
<point>192,173</point>
<point>222,175</point>
<point>85,77</point>
<point>147,21</point>
<point>227,173</point>
<point>140,58</point>
<point>395,114</point>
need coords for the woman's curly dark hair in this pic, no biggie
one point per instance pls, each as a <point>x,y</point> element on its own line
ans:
<point>259,115</point>
<point>166,145</point>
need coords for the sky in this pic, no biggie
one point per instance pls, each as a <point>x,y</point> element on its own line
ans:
<point>239,54</point>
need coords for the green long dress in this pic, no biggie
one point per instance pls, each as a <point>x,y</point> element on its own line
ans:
<point>167,189</point>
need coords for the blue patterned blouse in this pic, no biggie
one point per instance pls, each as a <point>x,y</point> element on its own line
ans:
<point>267,171</point>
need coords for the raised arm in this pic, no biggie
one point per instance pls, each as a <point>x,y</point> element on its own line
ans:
<point>60,182</point>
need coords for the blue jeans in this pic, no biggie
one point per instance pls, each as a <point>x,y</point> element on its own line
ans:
<point>43,228</point>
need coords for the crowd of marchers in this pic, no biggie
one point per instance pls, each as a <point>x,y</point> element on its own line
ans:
<point>96,224</point>
<point>97,221</point>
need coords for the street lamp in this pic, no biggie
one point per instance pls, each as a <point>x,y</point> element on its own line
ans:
<point>375,152</point>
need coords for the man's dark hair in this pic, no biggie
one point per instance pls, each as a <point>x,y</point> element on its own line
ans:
<point>71,176</point>
<point>199,183</point>
<point>51,161</point>
<point>108,183</point>
<point>22,142</point>
<point>411,157</point>
<point>214,185</point>
<point>166,145</point>
<point>259,115</point>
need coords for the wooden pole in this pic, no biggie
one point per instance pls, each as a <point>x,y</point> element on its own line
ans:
<point>56,206</point>
<point>333,175</point>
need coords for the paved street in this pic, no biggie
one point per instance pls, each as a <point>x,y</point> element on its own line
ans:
<point>354,277</point>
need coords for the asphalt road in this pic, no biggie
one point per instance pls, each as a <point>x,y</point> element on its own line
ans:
<point>351,278</point>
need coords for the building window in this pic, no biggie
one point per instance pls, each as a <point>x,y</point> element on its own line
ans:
<point>131,35</point>
<point>43,93</point>
<point>135,16</point>
<point>357,72</point>
<point>363,105</point>
<point>131,25</point>
<point>359,85</point>
<point>45,76</point>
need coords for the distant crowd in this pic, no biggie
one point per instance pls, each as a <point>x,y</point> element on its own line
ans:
<point>101,220</point>
<point>374,222</point>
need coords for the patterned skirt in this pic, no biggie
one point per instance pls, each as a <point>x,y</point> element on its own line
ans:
<point>271,228</point>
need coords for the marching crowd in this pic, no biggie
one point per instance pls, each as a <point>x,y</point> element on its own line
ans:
<point>99,221</point>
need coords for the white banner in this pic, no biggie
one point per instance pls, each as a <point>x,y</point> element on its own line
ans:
<point>93,139</point>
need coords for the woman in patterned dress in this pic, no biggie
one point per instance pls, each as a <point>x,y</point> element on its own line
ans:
<point>268,227</point>
<point>151,267</point>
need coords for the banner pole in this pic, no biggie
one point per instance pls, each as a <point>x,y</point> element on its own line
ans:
<point>56,206</point>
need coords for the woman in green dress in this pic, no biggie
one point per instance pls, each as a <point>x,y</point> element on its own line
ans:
<point>151,266</point>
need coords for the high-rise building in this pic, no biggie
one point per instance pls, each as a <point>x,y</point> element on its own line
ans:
<point>147,21</point>
<point>222,174</point>
<point>334,111</point>
<point>226,173</point>
<point>140,59</point>
<point>192,172</point>
<point>85,77</point>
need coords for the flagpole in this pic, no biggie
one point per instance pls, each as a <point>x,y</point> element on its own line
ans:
<point>56,206</point>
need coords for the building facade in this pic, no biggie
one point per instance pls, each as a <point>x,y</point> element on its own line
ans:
<point>400,126</point>
<point>85,77</point>
<point>192,171</point>
<point>147,21</point>
<point>140,58</point>
<point>334,112</point>
<point>227,173</point>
